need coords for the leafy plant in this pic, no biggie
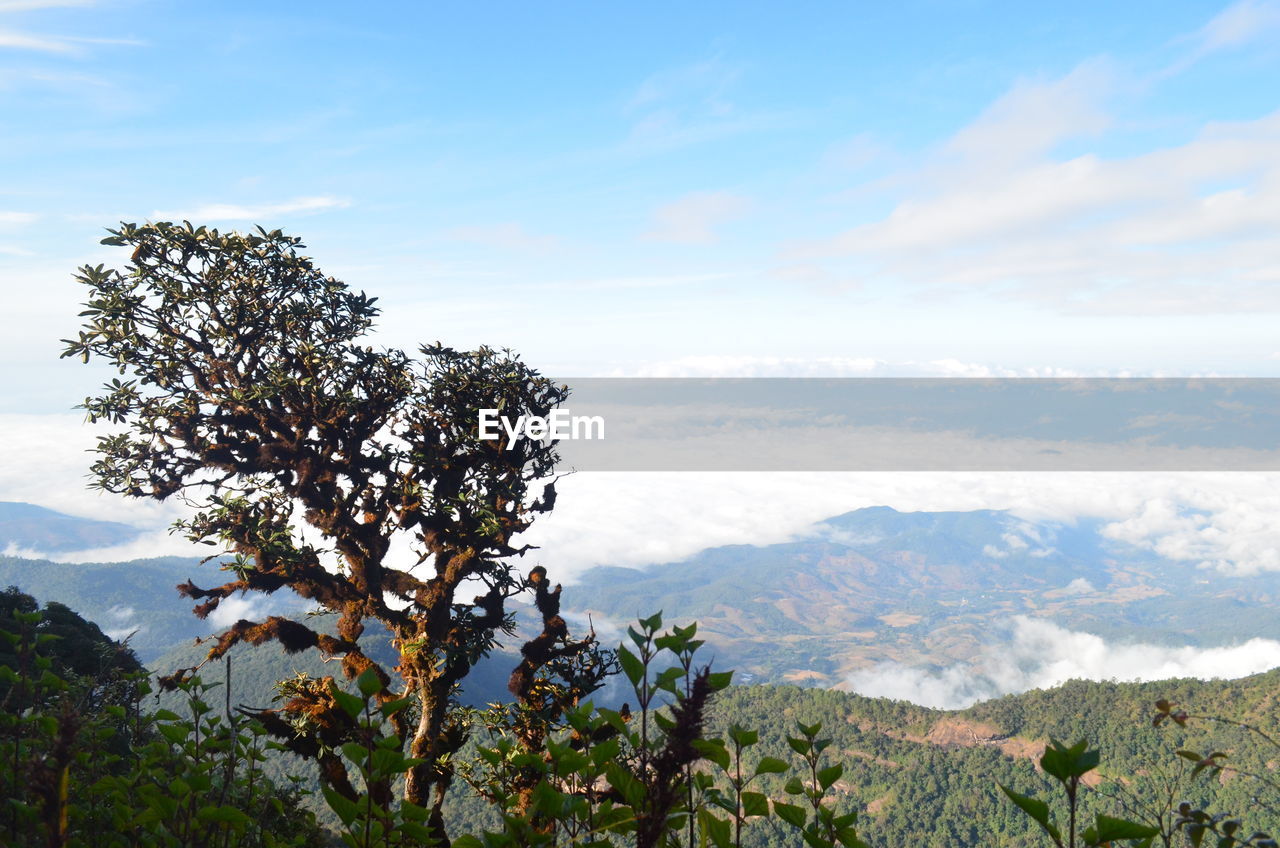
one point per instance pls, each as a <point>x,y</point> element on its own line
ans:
<point>1224,828</point>
<point>651,776</point>
<point>80,771</point>
<point>1068,765</point>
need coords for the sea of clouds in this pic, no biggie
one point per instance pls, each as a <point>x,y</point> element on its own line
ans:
<point>1223,522</point>
<point>1036,654</point>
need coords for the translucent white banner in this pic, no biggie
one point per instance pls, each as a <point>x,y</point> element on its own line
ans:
<point>917,425</point>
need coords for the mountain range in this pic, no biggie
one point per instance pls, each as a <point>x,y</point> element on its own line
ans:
<point>923,589</point>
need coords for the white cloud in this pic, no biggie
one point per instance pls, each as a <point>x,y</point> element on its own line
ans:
<point>636,518</point>
<point>122,622</point>
<point>835,366</point>
<point>31,5</point>
<point>1034,117</point>
<point>694,218</point>
<point>1239,24</point>
<point>16,219</point>
<point>26,41</point>
<point>1079,586</point>
<point>1039,654</point>
<point>234,608</point>
<point>756,366</point>
<point>60,44</point>
<point>45,459</point>
<point>153,543</point>
<point>1182,229</point>
<point>1236,536</point>
<point>213,212</point>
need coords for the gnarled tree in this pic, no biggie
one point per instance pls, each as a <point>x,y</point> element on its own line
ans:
<point>247,393</point>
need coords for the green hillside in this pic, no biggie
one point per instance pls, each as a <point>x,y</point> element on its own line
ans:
<point>929,777</point>
<point>135,599</point>
<point>918,776</point>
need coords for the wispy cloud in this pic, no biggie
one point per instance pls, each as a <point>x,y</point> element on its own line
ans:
<point>690,104</point>
<point>507,236</point>
<point>706,83</point>
<point>693,219</point>
<point>733,366</point>
<point>32,5</point>
<point>67,45</point>
<point>26,41</point>
<point>1239,24</point>
<point>261,212</point>
<point>1036,115</point>
<point>16,219</point>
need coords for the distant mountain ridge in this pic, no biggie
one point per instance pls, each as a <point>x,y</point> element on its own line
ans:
<point>35,528</point>
<point>925,588</point>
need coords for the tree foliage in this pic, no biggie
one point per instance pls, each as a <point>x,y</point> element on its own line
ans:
<point>246,388</point>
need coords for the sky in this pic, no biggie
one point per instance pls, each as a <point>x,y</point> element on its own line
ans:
<point>669,189</point>
<point>723,188</point>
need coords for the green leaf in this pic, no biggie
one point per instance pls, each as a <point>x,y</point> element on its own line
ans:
<point>632,790</point>
<point>1066,763</point>
<point>368,683</point>
<point>848,837</point>
<point>1036,809</point>
<point>1108,829</point>
<point>830,775</point>
<point>355,752</point>
<point>755,804</point>
<point>718,680</point>
<point>789,813</point>
<point>352,705</point>
<point>346,809</point>
<point>175,733</point>
<point>223,815</point>
<point>390,708</point>
<point>800,746</point>
<point>632,667</point>
<point>713,750</point>
<point>772,765</point>
<point>714,829</point>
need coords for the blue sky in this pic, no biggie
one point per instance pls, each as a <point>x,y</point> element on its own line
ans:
<point>714,188</point>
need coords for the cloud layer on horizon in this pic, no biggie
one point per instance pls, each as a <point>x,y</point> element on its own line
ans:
<point>1037,654</point>
<point>1223,521</point>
